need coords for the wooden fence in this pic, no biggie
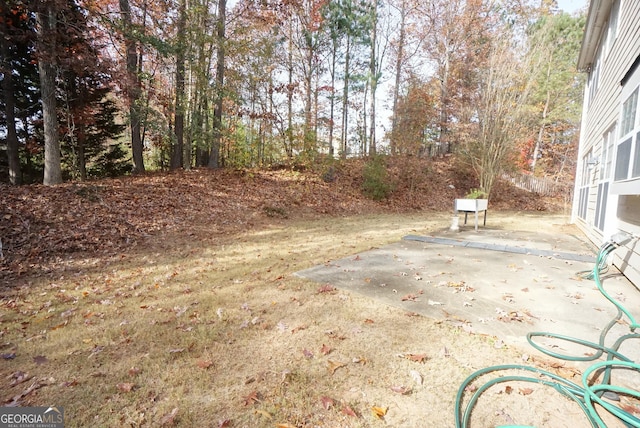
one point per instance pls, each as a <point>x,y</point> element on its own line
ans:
<point>542,186</point>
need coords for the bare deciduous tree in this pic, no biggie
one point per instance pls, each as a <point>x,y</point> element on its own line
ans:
<point>499,112</point>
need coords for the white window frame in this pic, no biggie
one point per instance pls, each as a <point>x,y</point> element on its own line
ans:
<point>605,173</point>
<point>626,178</point>
<point>608,151</point>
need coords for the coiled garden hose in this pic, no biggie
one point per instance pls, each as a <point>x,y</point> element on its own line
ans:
<point>586,395</point>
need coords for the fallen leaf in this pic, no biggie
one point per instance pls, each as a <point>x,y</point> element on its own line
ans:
<point>205,364</point>
<point>16,401</point>
<point>401,389</point>
<point>332,334</point>
<point>416,376</point>
<point>349,411</point>
<point>334,365</point>
<point>379,412</point>
<point>251,399</point>
<point>359,360</point>
<point>567,372</point>
<point>327,402</point>
<point>125,387</point>
<point>19,377</point>
<point>299,328</point>
<point>418,358</point>
<point>40,359</point>
<point>307,353</point>
<point>630,408</point>
<point>525,391</point>
<point>410,297</point>
<point>325,350</point>
<point>368,321</point>
<point>263,413</point>
<point>224,423</point>
<point>327,288</point>
<point>169,418</point>
<point>508,389</point>
<point>508,297</point>
<point>56,327</point>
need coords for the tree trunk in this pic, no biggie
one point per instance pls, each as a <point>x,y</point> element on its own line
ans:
<point>398,79</point>
<point>345,102</point>
<point>214,157</point>
<point>178,149</point>
<point>46,68</point>
<point>373,70</point>
<point>289,145</point>
<point>308,138</point>
<point>81,157</point>
<point>545,111</point>
<point>15,175</point>
<point>333,98</point>
<point>76,132</point>
<point>133,88</point>
<point>444,101</point>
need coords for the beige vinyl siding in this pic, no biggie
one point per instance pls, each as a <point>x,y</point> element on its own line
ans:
<point>604,110</point>
<point>627,258</point>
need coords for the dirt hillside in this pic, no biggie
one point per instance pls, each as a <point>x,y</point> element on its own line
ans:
<point>41,226</point>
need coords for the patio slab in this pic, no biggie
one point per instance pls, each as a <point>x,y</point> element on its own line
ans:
<point>494,282</point>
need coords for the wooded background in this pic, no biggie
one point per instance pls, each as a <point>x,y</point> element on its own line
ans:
<point>100,88</point>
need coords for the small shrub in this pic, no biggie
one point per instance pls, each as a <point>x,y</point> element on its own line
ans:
<point>477,194</point>
<point>275,212</point>
<point>329,175</point>
<point>376,183</point>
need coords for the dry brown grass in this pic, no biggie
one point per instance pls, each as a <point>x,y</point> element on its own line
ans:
<point>208,330</point>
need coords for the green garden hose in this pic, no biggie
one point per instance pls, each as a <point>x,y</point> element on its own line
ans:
<point>585,395</point>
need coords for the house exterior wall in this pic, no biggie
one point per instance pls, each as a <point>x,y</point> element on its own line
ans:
<point>605,201</point>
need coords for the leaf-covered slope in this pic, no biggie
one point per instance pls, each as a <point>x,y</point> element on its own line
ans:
<point>40,224</point>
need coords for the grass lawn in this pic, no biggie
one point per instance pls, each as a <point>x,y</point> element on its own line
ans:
<point>215,330</point>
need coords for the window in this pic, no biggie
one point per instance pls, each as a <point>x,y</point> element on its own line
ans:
<point>608,144</point>
<point>623,156</point>
<point>629,114</point>
<point>628,151</point>
<point>613,25</point>
<point>586,170</point>
<point>626,172</point>
<point>601,205</point>
<point>636,159</point>
<point>583,198</point>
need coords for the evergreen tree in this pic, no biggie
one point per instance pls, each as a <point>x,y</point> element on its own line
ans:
<point>87,113</point>
<point>84,117</point>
